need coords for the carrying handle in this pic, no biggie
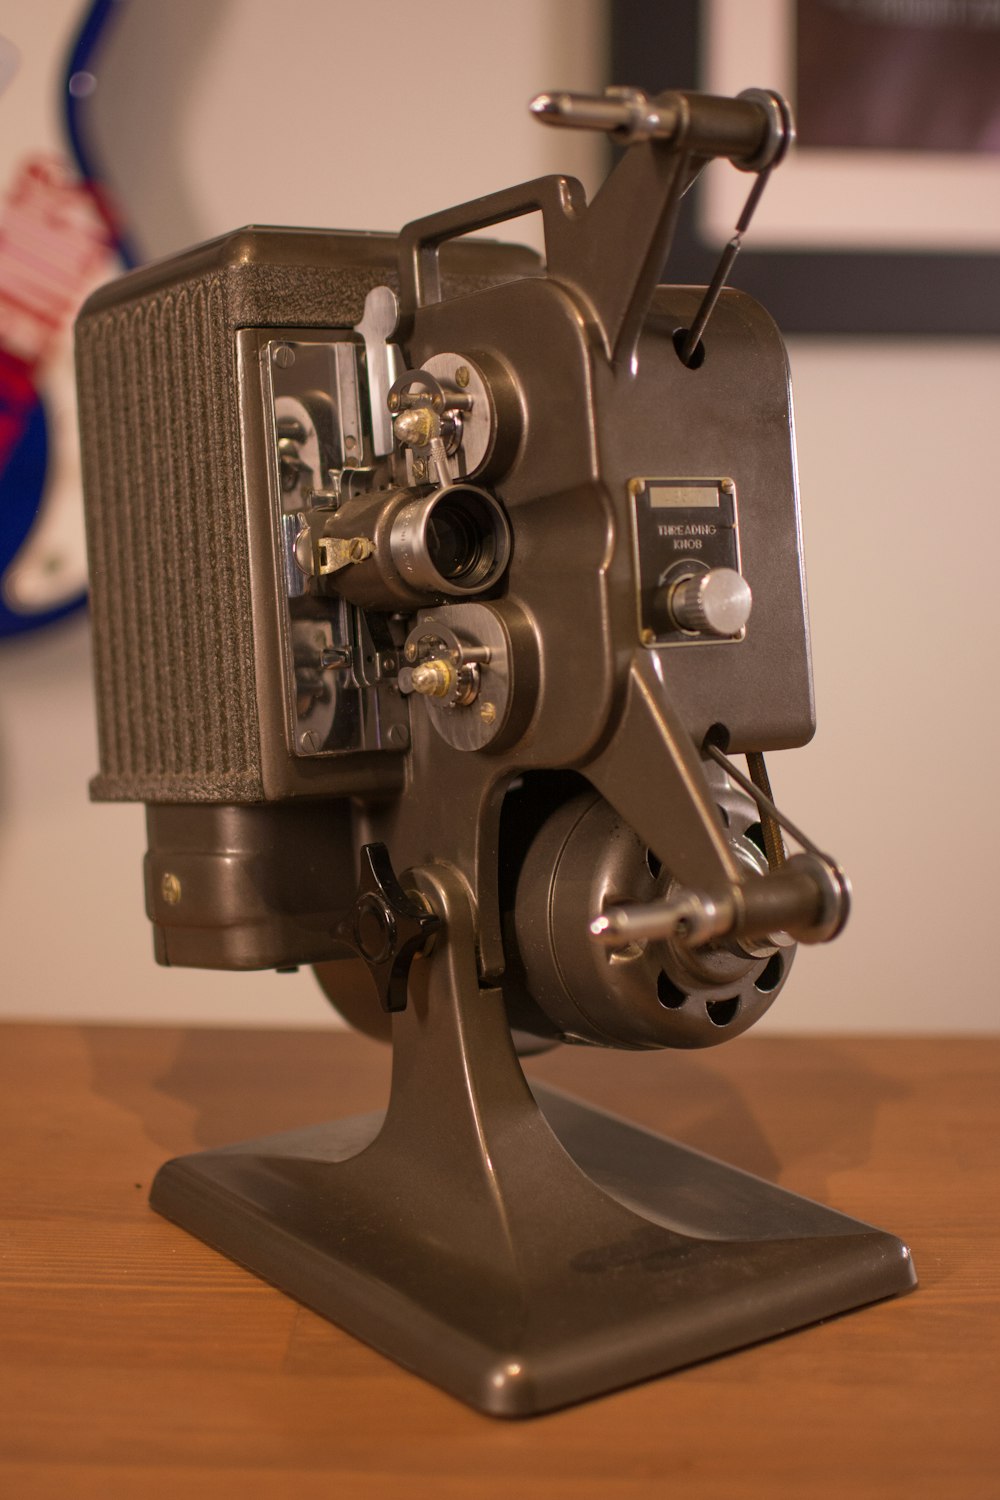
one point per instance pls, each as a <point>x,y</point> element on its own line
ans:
<point>558,199</point>
<point>610,254</point>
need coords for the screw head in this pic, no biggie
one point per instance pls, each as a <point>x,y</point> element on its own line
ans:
<point>393,401</point>
<point>170,889</point>
<point>488,712</point>
<point>399,736</point>
<point>410,651</point>
<point>648,637</point>
<point>419,469</point>
<point>284,356</point>
<point>388,662</point>
<point>309,741</point>
<point>462,376</point>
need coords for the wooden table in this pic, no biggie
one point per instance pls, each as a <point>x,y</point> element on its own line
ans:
<point>136,1362</point>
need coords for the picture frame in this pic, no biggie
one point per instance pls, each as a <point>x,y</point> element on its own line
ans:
<point>944,291</point>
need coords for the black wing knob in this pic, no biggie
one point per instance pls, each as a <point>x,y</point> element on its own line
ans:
<point>386,926</point>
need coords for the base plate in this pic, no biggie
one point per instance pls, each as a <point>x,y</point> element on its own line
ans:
<point>693,1258</point>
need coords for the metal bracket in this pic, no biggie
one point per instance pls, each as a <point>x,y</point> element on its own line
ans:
<point>387,926</point>
<point>383,360</point>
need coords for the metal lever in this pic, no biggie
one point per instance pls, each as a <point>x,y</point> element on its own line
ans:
<point>383,359</point>
<point>807,896</point>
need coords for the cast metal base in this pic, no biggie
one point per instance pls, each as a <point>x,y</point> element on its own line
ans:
<point>723,1260</point>
<point>522,1255</point>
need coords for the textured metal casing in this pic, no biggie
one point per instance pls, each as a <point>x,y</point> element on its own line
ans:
<point>180,604</point>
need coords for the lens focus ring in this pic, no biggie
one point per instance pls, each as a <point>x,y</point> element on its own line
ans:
<point>454,542</point>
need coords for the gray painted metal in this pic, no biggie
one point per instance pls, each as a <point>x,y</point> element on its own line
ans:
<point>522,1258</point>
<point>259,815</point>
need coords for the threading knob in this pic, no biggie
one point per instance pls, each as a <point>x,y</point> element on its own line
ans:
<point>714,603</point>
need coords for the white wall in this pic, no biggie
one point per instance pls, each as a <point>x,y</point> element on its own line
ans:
<point>902,532</point>
<point>214,115</point>
<point>901,522</point>
<point>334,113</point>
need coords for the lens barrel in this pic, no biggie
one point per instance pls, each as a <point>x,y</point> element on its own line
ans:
<point>455,541</point>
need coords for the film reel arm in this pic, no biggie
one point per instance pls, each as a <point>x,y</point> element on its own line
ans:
<point>808,897</point>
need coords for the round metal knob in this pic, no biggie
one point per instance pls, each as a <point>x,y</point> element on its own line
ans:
<point>434,678</point>
<point>714,603</point>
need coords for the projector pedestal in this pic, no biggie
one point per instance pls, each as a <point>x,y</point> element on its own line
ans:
<point>522,1250</point>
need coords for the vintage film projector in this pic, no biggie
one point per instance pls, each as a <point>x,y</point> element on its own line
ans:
<point>433,587</point>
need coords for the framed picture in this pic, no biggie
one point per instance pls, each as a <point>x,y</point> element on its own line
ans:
<point>886,217</point>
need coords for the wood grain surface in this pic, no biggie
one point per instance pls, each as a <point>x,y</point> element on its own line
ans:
<point>134,1361</point>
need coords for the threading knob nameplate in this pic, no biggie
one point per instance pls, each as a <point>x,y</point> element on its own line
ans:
<point>689,589</point>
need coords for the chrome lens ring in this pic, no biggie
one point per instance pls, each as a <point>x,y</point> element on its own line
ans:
<point>455,541</point>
